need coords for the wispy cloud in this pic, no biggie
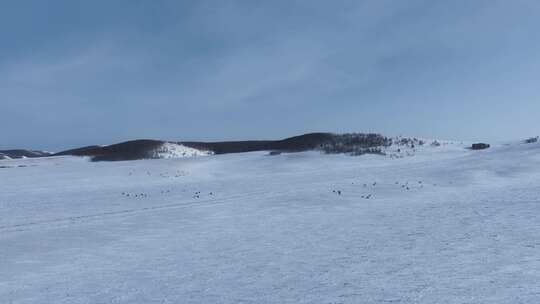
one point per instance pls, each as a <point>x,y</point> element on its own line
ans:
<point>239,69</point>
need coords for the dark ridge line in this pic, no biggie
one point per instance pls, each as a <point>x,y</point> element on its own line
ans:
<point>145,148</point>
<point>20,153</point>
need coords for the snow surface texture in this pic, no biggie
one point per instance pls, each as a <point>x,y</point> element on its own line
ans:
<point>172,150</point>
<point>447,225</point>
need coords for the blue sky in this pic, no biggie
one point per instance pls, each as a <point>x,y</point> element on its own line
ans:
<point>75,73</point>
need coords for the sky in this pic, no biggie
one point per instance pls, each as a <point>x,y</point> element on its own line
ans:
<point>75,73</point>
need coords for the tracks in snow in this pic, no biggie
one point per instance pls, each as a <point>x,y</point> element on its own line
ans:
<point>125,212</point>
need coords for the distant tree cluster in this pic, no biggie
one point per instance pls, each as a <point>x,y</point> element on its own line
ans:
<point>435,143</point>
<point>408,142</point>
<point>356,144</point>
<point>531,140</point>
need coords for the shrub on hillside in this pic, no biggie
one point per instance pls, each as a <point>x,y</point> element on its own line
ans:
<point>480,146</point>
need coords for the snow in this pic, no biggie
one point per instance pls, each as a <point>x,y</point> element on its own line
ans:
<point>253,228</point>
<point>173,150</point>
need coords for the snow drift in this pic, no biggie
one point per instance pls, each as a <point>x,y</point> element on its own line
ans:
<point>174,150</point>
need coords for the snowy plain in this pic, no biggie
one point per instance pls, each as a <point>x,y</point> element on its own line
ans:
<point>447,225</point>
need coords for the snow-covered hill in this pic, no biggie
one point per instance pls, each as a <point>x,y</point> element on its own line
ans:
<point>174,150</point>
<point>136,150</point>
<point>442,224</point>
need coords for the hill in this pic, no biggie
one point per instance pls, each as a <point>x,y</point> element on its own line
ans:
<point>357,143</point>
<point>20,153</point>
